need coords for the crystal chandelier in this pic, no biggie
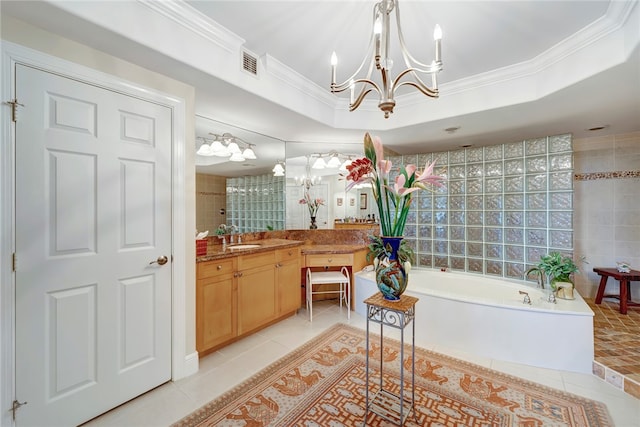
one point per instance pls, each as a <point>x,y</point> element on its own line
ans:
<point>379,53</point>
<point>226,145</point>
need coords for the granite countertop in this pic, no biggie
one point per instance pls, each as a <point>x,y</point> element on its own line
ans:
<point>307,248</point>
<point>215,251</point>
<point>310,249</point>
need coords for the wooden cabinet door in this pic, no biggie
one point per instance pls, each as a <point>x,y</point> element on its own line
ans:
<point>256,297</point>
<point>215,303</point>
<point>215,312</point>
<point>288,280</point>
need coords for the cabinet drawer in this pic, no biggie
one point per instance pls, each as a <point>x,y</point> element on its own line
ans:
<point>257,260</point>
<point>215,268</point>
<point>287,254</point>
<point>328,260</point>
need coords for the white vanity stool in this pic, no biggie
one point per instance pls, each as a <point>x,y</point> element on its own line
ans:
<point>325,278</point>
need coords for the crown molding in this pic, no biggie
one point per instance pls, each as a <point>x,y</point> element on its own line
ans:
<point>191,19</point>
<point>280,84</point>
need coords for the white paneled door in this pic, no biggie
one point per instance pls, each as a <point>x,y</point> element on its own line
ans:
<point>93,225</point>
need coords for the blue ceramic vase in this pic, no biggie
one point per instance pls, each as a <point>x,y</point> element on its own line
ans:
<point>392,275</point>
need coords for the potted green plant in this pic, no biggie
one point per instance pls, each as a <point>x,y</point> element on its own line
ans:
<point>558,269</point>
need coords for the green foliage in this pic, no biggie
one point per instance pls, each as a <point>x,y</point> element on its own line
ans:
<point>557,267</point>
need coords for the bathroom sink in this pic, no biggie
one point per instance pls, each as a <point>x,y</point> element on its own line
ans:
<point>240,247</point>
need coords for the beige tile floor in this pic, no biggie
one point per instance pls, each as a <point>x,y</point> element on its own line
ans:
<point>231,365</point>
<point>617,342</point>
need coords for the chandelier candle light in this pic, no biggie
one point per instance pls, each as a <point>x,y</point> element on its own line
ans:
<point>393,202</point>
<point>379,50</point>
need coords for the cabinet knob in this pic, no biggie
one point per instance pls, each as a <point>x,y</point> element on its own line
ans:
<point>219,267</point>
<point>330,260</point>
<point>290,252</point>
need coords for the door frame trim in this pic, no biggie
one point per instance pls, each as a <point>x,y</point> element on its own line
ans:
<point>182,363</point>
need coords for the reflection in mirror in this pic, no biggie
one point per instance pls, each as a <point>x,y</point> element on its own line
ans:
<point>320,175</point>
<point>241,193</point>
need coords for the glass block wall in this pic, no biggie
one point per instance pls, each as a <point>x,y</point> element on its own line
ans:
<point>503,207</point>
<point>256,203</point>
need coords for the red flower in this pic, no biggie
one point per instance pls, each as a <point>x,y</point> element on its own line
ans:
<point>359,169</point>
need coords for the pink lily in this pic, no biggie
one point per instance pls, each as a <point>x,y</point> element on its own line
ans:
<point>427,177</point>
<point>399,189</point>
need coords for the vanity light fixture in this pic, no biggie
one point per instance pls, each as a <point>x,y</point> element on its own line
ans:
<point>226,145</point>
<point>278,169</point>
<point>334,161</point>
<point>319,163</point>
<point>379,54</point>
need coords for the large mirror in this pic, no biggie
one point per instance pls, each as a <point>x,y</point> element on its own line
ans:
<point>246,193</point>
<point>241,193</point>
<point>305,180</point>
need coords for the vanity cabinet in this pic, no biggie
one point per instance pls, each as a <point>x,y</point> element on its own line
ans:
<point>288,280</point>
<point>216,305</point>
<point>256,291</point>
<point>241,294</point>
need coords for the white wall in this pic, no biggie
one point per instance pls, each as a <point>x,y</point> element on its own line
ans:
<point>606,207</point>
<point>18,32</point>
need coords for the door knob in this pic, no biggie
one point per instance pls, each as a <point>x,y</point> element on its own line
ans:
<point>162,260</point>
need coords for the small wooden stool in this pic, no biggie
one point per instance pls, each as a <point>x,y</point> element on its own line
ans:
<point>625,280</point>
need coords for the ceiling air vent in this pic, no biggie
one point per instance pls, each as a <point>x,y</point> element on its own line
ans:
<point>250,63</point>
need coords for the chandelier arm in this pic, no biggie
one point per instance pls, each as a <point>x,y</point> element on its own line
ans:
<point>361,97</point>
<point>422,88</point>
<point>418,83</point>
<point>405,52</point>
<point>335,88</point>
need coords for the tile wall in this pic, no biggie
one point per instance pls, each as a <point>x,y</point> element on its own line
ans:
<point>256,203</point>
<point>503,207</point>
<point>607,206</point>
<point>211,201</point>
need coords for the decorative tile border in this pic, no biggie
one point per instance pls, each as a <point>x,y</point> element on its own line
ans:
<point>606,175</point>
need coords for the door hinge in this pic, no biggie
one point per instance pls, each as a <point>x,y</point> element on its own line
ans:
<point>14,262</point>
<point>14,408</point>
<point>14,109</point>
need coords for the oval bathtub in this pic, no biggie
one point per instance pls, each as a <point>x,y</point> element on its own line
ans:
<point>486,316</point>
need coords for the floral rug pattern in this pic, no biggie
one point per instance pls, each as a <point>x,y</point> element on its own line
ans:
<point>322,383</point>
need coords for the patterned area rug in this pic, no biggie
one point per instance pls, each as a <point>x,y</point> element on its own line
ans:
<point>323,383</point>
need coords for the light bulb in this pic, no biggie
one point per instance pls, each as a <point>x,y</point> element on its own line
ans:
<point>219,150</point>
<point>249,154</point>
<point>334,59</point>
<point>334,162</point>
<point>204,150</point>
<point>236,157</point>
<point>233,148</point>
<point>319,164</point>
<point>437,33</point>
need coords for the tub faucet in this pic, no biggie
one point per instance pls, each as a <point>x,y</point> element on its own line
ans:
<point>539,273</point>
<point>527,299</point>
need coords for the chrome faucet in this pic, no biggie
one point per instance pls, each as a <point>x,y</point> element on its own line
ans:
<point>527,299</point>
<point>232,228</point>
<point>540,275</point>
